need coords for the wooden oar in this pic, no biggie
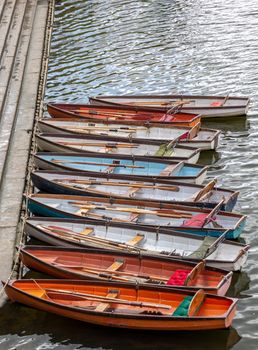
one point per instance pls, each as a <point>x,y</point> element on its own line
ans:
<point>99,164</point>
<point>207,188</point>
<point>93,239</point>
<point>225,100</point>
<point>109,183</point>
<point>168,213</point>
<point>213,212</point>
<point>93,297</point>
<point>215,244</point>
<point>108,145</point>
<point>107,128</point>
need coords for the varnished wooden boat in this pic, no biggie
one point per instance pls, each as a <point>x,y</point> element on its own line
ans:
<point>125,306</point>
<point>75,263</point>
<point>75,183</point>
<point>202,138</point>
<point>207,106</point>
<point>132,213</point>
<point>116,114</point>
<point>217,252</point>
<point>76,143</point>
<point>121,166</point>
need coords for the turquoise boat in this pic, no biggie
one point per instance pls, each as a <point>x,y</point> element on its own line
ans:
<point>122,167</point>
<point>133,213</point>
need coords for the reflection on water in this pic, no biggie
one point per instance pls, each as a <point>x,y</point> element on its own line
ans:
<point>159,46</point>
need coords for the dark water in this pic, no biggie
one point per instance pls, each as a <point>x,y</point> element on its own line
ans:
<point>161,46</point>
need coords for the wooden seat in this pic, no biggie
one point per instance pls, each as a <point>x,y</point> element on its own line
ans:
<point>170,169</point>
<point>87,231</point>
<point>132,191</point>
<point>136,240</point>
<point>116,265</point>
<point>103,306</point>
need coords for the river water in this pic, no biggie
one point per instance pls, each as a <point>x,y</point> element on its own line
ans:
<point>159,46</point>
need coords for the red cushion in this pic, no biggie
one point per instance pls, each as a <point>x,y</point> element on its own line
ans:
<point>178,278</point>
<point>196,221</point>
<point>216,104</point>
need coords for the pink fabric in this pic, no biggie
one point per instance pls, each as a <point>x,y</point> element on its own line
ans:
<point>216,104</point>
<point>178,278</point>
<point>184,136</point>
<point>196,221</point>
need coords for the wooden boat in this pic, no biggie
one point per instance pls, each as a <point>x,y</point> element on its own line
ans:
<point>67,143</point>
<point>121,166</point>
<point>125,306</point>
<point>132,213</point>
<point>106,265</point>
<point>117,114</point>
<point>75,183</point>
<point>217,252</point>
<point>202,138</point>
<point>207,106</point>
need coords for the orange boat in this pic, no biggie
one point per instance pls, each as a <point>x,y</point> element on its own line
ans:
<point>125,267</point>
<point>125,306</point>
<point>118,114</point>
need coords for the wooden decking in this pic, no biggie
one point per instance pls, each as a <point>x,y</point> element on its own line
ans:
<point>24,38</point>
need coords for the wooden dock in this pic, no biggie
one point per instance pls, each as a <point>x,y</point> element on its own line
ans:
<point>25,31</point>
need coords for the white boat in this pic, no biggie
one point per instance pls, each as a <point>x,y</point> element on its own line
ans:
<point>203,138</point>
<point>77,233</point>
<point>76,143</point>
<point>75,183</point>
<point>207,106</point>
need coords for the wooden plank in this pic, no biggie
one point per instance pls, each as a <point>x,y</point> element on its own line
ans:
<point>170,169</point>
<point>136,240</point>
<point>103,306</point>
<point>116,265</point>
<point>87,231</point>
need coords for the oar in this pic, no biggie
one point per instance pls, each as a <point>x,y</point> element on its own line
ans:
<point>109,300</point>
<point>93,239</point>
<point>109,183</point>
<point>108,145</point>
<point>207,188</point>
<point>225,100</point>
<point>168,213</point>
<point>100,164</point>
<point>214,211</point>
<point>110,273</point>
<point>128,130</point>
<point>215,244</point>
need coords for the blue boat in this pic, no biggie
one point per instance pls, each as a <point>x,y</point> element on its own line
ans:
<point>122,167</point>
<point>131,213</point>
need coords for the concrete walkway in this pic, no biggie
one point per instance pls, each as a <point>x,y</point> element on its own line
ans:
<point>24,41</point>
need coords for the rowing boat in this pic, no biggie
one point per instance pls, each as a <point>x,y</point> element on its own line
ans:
<point>67,143</point>
<point>75,183</point>
<point>167,217</point>
<point>122,166</point>
<point>75,263</point>
<point>70,233</point>
<point>207,106</point>
<point>125,306</point>
<point>202,138</point>
<point>117,114</point>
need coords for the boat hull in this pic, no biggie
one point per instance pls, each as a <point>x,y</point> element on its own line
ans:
<point>233,107</point>
<point>39,208</point>
<point>44,161</point>
<point>234,263</point>
<point>45,184</point>
<point>207,139</point>
<point>140,322</point>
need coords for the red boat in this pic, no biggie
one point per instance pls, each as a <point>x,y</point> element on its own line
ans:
<point>128,115</point>
<point>125,305</point>
<point>76,263</point>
